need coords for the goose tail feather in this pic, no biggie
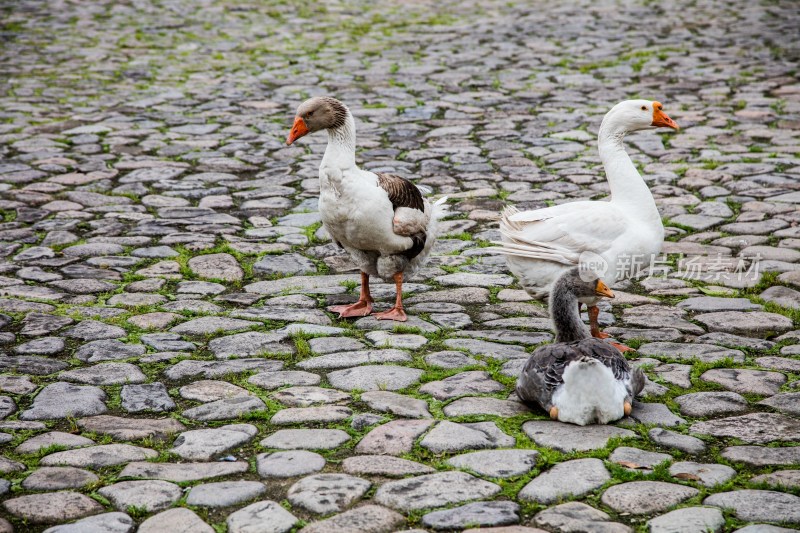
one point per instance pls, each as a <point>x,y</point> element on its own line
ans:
<point>438,211</point>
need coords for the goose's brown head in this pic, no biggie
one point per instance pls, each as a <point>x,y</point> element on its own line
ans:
<point>315,114</point>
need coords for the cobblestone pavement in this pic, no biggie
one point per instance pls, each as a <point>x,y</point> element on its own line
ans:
<point>167,357</point>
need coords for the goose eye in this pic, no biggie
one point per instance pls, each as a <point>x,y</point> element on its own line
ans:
<point>644,108</point>
<point>309,114</point>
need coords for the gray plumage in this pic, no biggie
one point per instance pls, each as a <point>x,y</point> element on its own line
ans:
<point>543,373</point>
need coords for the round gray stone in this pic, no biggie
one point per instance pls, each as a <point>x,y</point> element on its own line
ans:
<point>306,439</point>
<point>451,437</point>
<point>92,330</point>
<point>209,390</point>
<point>225,409</point>
<point>146,397</point>
<point>710,474</point>
<point>224,493</point>
<point>708,404</point>
<point>786,402</point>
<point>571,478</point>
<point>60,400</point>
<point>637,459</point>
<point>326,414</point>
<point>465,383</point>
<point>362,519</point>
<point>102,523</point>
<point>286,264</point>
<point>759,505</point>
<point>752,324</point>
<point>452,359</point>
<point>306,396</point>
<point>216,266</point>
<point>788,479</point>
<point>707,353</point>
<point>99,456</point>
<point>393,438</point>
<point>374,377</point>
<point>497,463</point>
<point>41,346</point>
<point>688,520</point>
<point>764,528</point>
<point>757,428</point>
<point>327,493</point>
<point>204,444</point>
<point>570,438</point>
<point>646,497</point>
<point>274,380</point>
<point>478,405</point>
<point>151,495</point>
<point>577,516</point>
<point>179,519</point>
<point>670,439</point>
<point>52,507</point>
<point>488,514</point>
<point>108,350</point>
<point>390,402</point>
<point>288,464</point>
<point>58,478</point>
<point>383,465</point>
<point>746,380</point>
<point>256,516</point>
<point>105,374</point>
<point>433,490</point>
<point>762,456</point>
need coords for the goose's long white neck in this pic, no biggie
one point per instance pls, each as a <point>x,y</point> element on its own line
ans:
<point>341,150</point>
<point>627,186</point>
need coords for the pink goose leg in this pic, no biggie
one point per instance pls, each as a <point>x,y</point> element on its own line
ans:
<point>362,307</point>
<point>396,312</point>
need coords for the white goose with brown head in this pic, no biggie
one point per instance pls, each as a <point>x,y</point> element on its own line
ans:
<point>381,220</point>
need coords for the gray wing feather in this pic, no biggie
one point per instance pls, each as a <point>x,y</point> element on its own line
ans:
<point>637,382</point>
<point>606,354</point>
<point>544,372</point>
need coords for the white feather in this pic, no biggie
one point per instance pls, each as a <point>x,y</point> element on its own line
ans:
<point>358,214</point>
<point>590,394</point>
<point>540,245</point>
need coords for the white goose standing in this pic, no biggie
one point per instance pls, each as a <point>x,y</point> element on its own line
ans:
<point>542,244</point>
<point>381,220</point>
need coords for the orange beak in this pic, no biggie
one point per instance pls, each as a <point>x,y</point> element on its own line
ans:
<point>602,290</point>
<point>298,130</point>
<point>660,119</point>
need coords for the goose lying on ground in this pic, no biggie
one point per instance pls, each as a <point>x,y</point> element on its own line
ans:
<point>542,244</point>
<point>381,220</point>
<point>578,379</point>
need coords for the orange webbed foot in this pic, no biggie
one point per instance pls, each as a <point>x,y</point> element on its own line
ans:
<point>621,347</point>
<point>395,313</point>
<point>358,309</point>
